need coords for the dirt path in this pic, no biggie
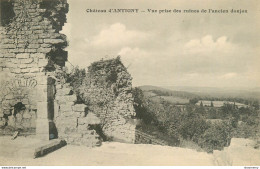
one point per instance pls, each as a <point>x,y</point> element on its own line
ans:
<point>117,154</point>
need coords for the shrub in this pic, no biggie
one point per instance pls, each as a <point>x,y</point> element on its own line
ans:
<point>216,137</point>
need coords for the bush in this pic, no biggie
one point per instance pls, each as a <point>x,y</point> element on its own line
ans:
<point>216,137</point>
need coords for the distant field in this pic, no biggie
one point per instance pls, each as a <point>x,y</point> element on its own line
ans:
<point>149,94</point>
<point>175,99</point>
<point>171,99</point>
<point>219,103</point>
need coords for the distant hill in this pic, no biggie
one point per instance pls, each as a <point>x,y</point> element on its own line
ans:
<point>175,97</point>
<point>149,87</point>
<point>218,92</point>
<point>182,95</point>
<point>168,92</point>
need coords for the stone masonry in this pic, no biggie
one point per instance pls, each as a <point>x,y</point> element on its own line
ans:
<point>34,101</point>
<point>31,97</point>
<point>107,90</point>
<point>31,48</point>
<point>74,121</point>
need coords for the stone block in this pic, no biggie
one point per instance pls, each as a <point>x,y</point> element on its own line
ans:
<point>42,62</point>
<point>44,50</point>
<point>13,50</point>
<point>33,46</point>
<point>44,80</point>
<point>9,96</point>
<point>8,46</point>
<point>38,31</point>
<point>64,91</point>
<point>38,55</point>
<point>30,50</point>
<point>7,112</point>
<point>92,118</point>
<point>26,61</point>
<point>53,41</point>
<point>8,40</point>
<point>67,99</point>
<point>68,114</point>
<point>80,114</point>
<point>11,65</point>
<point>9,55</point>
<point>89,119</point>
<point>51,146</point>
<point>40,41</point>
<point>21,41</point>
<point>76,135</point>
<point>55,35</point>
<point>65,108</point>
<point>21,45</point>
<point>42,96</point>
<point>70,122</point>
<point>79,107</point>
<point>28,32</point>
<point>25,70</point>
<point>36,27</point>
<point>34,70</point>
<point>45,93</point>
<point>44,45</point>
<point>2,123</point>
<point>83,128</point>
<point>23,55</point>
<point>46,22</point>
<point>44,36</point>
<point>42,108</point>
<point>16,70</point>
<point>27,115</point>
<point>1,114</point>
<point>41,10</point>
<point>21,50</point>
<point>23,66</point>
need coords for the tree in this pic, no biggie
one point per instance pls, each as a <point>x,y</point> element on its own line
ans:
<point>201,104</point>
<point>216,137</point>
<point>211,104</point>
<point>193,101</point>
<point>140,106</point>
<point>212,113</point>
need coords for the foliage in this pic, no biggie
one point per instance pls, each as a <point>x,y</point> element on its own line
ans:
<point>74,77</point>
<point>217,136</point>
<point>190,122</point>
<point>194,101</point>
<point>140,108</point>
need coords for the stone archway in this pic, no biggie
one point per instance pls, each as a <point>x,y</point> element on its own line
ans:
<point>18,106</point>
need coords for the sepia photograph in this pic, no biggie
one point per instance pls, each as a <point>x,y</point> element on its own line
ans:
<point>129,83</point>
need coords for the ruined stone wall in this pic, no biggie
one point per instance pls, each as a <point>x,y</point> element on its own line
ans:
<point>30,47</point>
<point>108,92</point>
<point>75,124</point>
<point>31,52</point>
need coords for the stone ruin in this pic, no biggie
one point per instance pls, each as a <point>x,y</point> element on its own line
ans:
<point>108,91</point>
<point>32,100</point>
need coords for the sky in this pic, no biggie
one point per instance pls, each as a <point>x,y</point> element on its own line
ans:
<point>170,49</point>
